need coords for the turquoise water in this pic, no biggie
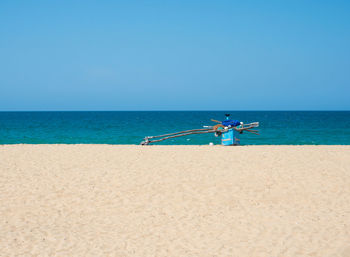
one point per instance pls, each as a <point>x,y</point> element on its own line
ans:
<point>280,127</point>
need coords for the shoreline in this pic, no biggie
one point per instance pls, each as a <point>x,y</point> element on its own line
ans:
<point>92,144</point>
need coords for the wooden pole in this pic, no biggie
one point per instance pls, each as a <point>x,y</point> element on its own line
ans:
<point>185,134</point>
<point>180,132</point>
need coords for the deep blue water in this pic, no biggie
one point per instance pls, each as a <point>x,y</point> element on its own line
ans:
<point>276,127</point>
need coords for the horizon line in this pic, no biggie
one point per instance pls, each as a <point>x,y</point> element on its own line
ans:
<point>286,110</point>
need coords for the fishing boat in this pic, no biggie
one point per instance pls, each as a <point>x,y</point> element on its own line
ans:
<point>229,130</point>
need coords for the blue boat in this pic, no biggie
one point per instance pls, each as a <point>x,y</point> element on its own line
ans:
<point>229,130</point>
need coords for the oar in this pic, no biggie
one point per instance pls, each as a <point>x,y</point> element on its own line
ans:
<point>252,131</point>
<point>216,121</point>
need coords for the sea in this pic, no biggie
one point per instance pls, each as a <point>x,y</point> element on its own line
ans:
<point>130,127</point>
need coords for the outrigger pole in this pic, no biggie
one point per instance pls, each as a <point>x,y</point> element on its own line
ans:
<point>178,134</point>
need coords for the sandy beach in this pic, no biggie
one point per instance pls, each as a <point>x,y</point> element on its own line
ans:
<point>103,200</point>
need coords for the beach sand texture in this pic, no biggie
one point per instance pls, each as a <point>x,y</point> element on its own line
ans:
<point>101,200</point>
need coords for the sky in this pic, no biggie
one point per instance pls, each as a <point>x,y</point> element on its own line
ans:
<point>174,55</point>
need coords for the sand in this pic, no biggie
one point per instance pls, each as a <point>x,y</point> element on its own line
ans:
<point>100,200</point>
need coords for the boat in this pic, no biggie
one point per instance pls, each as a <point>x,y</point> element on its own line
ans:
<point>229,130</point>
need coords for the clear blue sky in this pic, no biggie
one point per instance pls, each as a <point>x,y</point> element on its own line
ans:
<point>174,55</point>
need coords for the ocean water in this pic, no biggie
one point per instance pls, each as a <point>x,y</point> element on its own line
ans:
<point>276,127</point>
